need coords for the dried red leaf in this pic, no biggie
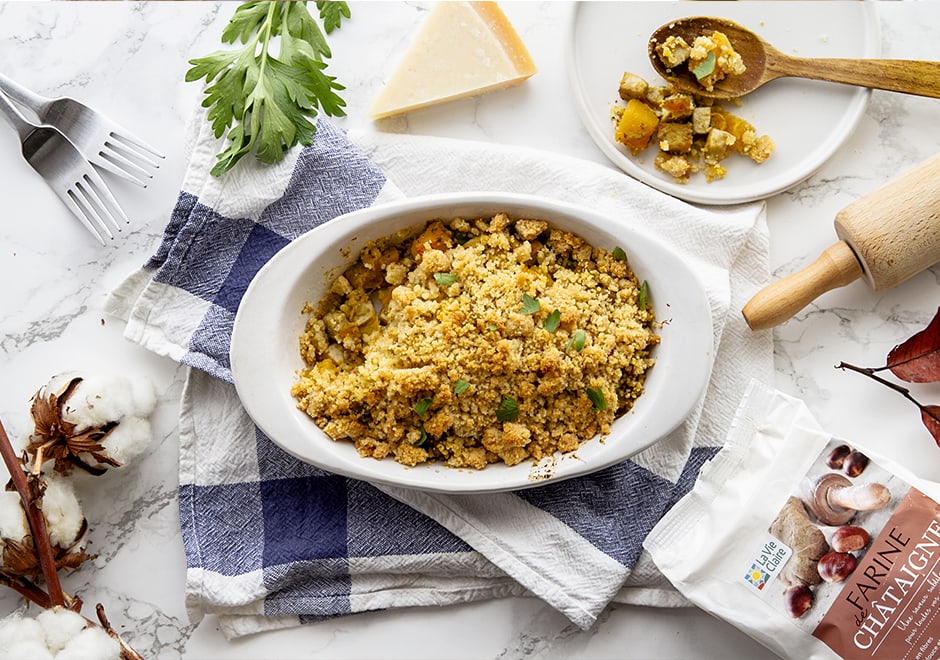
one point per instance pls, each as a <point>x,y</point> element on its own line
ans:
<point>917,360</point>
<point>931,418</point>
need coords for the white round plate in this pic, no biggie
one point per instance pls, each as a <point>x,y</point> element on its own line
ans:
<point>265,352</point>
<point>807,119</point>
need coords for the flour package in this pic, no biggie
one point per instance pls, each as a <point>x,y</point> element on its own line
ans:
<point>811,545</point>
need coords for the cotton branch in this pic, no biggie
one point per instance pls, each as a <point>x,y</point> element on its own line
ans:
<point>27,488</point>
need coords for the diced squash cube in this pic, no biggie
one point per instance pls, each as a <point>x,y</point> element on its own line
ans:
<point>738,128</point>
<point>717,145</point>
<point>636,126</point>
<point>674,138</point>
<point>677,106</point>
<point>673,51</point>
<point>632,86</point>
<point>656,94</point>
<point>701,120</point>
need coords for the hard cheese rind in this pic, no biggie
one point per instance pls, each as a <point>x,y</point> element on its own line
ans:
<point>463,49</point>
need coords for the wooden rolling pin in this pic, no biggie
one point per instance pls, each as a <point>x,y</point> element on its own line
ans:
<point>887,237</point>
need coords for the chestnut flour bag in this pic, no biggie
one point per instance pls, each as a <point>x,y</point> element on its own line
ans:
<point>813,546</point>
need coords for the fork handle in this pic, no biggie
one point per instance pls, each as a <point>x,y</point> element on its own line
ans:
<point>20,94</point>
<point>16,119</point>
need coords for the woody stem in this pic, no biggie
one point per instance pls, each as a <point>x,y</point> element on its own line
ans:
<point>903,391</point>
<point>37,523</point>
<point>26,589</point>
<point>127,653</point>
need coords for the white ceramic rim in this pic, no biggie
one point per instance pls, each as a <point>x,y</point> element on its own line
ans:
<point>602,135</point>
<point>265,355</point>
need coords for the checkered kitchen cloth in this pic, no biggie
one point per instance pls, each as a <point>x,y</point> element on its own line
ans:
<point>273,542</point>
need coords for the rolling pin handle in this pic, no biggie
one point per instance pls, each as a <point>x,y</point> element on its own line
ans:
<point>779,301</point>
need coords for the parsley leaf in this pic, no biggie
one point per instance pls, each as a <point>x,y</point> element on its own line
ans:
<point>262,103</point>
<point>530,305</point>
<point>422,406</point>
<point>332,14</point>
<point>552,320</point>
<point>642,299</point>
<point>619,254</point>
<point>577,341</point>
<point>445,279</point>
<point>596,395</point>
<point>461,386</point>
<point>508,410</point>
<point>706,67</point>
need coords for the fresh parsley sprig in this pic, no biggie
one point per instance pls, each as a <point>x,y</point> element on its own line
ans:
<point>262,102</point>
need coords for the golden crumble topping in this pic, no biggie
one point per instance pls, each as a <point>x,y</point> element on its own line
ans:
<point>474,341</point>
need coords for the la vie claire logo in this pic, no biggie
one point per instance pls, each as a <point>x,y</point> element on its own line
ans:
<point>766,562</point>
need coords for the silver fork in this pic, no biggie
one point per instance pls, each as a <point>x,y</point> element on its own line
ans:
<point>102,141</point>
<point>67,172</point>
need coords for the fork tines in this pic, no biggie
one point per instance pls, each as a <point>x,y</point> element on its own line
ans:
<point>129,157</point>
<point>92,203</point>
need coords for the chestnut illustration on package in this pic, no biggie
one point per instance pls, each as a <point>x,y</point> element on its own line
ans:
<point>851,461</point>
<point>849,538</point>
<point>836,566</point>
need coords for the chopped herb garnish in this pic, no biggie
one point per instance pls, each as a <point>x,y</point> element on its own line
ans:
<point>461,386</point>
<point>445,279</point>
<point>642,300</point>
<point>530,305</point>
<point>619,254</point>
<point>706,68</point>
<point>508,410</point>
<point>424,436</point>
<point>422,406</point>
<point>552,320</point>
<point>490,326</point>
<point>597,398</point>
<point>577,341</point>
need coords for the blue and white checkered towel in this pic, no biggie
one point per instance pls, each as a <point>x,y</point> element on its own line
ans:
<point>273,542</point>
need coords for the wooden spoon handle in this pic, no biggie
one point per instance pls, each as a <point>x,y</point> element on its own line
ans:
<point>906,76</point>
<point>777,302</point>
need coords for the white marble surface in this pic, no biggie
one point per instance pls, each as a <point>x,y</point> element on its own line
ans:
<point>128,59</point>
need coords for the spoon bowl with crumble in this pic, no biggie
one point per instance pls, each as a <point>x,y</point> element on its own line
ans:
<point>720,59</point>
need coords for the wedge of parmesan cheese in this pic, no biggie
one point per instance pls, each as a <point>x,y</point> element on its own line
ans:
<point>463,49</point>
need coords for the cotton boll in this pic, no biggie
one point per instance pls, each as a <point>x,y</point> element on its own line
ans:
<point>92,643</point>
<point>98,400</point>
<point>128,439</point>
<point>13,523</point>
<point>22,637</point>
<point>144,396</point>
<point>110,412</point>
<point>59,626</point>
<point>63,513</point>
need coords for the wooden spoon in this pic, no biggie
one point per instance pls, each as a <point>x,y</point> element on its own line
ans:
<point>765,63</point>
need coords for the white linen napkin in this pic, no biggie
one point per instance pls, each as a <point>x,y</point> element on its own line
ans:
<point>244,504</point>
